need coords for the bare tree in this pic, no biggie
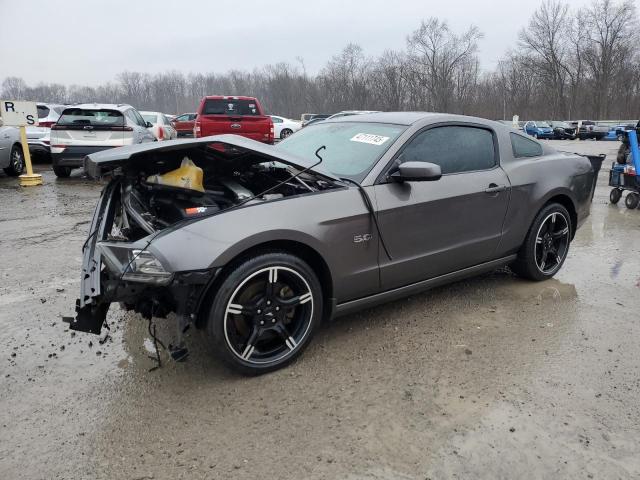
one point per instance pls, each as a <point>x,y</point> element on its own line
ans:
<point>436,56</point>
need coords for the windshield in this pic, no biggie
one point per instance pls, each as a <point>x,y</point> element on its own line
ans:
<point>150,118</point>
<point>352,148</point>
<point>542,124</point>
<point>95,118</point>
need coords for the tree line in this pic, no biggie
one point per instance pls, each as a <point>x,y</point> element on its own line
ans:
<point>567,63</point>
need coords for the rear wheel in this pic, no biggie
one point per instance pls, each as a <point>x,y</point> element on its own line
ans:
<point>285,133</point>
<point>615,195</point>
<point>265,312</point>
<point>16,162</point>
<point>61,172</point>
<point>631,201</point>
<point>546,245</point>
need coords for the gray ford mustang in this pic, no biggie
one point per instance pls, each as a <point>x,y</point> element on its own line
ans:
<point>259,244</point>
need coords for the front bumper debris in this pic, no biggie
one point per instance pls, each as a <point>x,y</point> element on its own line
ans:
<point>104,281</point>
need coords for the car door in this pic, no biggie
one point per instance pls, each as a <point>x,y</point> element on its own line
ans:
<point>6,140</point>
<point>142,133</point>
<point>277,126</point>
<point>435,227</point>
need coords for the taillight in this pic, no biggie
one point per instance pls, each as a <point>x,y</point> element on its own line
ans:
<point>196,129</point>
<point>160,133</point>
<point>46,124</point>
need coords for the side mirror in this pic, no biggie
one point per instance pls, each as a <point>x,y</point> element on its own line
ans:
<point>416,172</point>
<point>149,125</point>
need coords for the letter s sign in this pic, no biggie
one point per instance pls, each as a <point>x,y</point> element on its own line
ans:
<point>18,114</point>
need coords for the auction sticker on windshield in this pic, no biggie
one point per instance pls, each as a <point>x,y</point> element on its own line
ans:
<point>369,138</point>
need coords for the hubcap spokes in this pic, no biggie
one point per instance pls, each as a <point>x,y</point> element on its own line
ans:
<point>268,315</point>
<point>17,161</point>
<point>552,242</point>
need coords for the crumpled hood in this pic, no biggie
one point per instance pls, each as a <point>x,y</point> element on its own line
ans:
<point>101,162</point>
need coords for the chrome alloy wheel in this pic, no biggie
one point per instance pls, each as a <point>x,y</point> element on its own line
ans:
<point>552,242</point>
<point>268,315</point>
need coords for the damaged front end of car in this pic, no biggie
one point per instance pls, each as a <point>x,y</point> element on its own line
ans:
<point>155,190</point>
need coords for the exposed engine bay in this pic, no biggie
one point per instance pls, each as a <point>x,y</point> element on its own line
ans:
<point>169,187</point>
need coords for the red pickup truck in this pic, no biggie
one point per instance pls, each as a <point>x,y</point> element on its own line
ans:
<point>238,115</point>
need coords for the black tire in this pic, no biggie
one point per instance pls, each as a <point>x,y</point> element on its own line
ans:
<point>623,154</point>
<point>631,201</point>
<point>285,133</point>
<point>615,195</point>
<point>16,162</point>
<point>62,172</point>
<point>529,257</point>
<point>284,309</point>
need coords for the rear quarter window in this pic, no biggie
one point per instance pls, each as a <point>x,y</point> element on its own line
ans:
<point>524,147</point>
<point>230,107</point>
<point>43,111</point>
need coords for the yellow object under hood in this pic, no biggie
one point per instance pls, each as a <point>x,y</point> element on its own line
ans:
<point>188,176</point>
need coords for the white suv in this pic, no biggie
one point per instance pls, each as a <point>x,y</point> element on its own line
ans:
<point>91,127</point>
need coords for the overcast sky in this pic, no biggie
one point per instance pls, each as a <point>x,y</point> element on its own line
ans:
<point>89,42</point>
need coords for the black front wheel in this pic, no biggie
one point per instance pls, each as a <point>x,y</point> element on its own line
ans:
<point>16,162</point>
<point>546,245</point>
<point>61,172</point>
<point>615,195</point>
<point>265,312</point>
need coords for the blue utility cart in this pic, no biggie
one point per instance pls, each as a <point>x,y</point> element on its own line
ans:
<point>622,177</point>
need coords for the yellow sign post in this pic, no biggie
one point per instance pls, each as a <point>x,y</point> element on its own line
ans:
<point>20,114</point>
<point>30,179</point>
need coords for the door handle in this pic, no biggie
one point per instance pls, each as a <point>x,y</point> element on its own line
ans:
<point>493,188</point>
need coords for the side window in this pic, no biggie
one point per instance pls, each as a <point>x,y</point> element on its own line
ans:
<point>192,116</point>
<point>181,118</point>
<point>455,148</point>
<point>132,120</point>
<point>276,120</point>
<point>524,147</point>
<point>141,121</point>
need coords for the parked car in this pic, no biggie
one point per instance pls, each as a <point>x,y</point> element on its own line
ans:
<point>11,153</point>
<point>612,135</point>
<point>237,115</point>
<point>314,120</point>
<point>160,125</point>
<point>283,127</point>
<point>306,118</point>
<point>622,129</point>
<point>588,129</point>
<point>184,123</point>
<point>347,113</point>
<point>39,137</point>
<point>91,127</point>
<point>538,129</point>
<point>562,130</point>
<point>274,240</point>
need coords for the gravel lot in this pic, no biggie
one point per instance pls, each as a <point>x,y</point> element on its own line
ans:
<point>492,377</point>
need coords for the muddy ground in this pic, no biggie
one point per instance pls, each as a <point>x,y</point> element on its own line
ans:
<point>492,377</point>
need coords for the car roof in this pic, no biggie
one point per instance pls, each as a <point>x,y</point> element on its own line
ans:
<point>102,106</point>
<point>411,118</point>
<point>150,113</point>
